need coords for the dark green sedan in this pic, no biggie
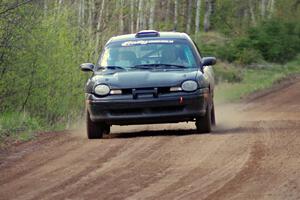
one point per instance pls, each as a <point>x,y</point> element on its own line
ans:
<point>149,77</point>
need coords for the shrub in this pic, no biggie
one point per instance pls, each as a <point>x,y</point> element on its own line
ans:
<point>249,56</point>
<point>13,123</point>
<point>209,43</point>
<point>276,40</point>
<point>273,40</point>
<point>227,52</point>
<point>227,73</point>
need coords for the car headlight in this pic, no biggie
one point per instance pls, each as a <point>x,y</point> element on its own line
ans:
<point>102,90</point>
<point>189,86</point>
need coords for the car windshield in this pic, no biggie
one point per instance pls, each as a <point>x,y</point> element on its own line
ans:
<point>148,54</point>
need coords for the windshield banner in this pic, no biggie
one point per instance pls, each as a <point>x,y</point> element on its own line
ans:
<point>143,42</point>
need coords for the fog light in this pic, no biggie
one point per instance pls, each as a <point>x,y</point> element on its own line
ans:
<point>115,91</point>
<point>175,89</point>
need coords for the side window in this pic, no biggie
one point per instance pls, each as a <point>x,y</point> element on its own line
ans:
<point>188,55</point>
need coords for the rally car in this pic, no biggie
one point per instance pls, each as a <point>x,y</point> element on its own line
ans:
<point>149,77</point>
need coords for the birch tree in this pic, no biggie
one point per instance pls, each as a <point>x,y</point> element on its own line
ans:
<point>151,17</point>
<point>271,8</point>
<point>168,11</point>
<point>132,5</point>
<point>263,8</point>
<point>175,21</point>
<point>139,22</point>
<point>121,17</point>
<point>189,16</point>
<point>80,12</point>
<point>251,11</point>
<point>45,7</point>
<point>91,20</point>
<point>99,21</point>
<point>197,19</point>
<point>208,11</point>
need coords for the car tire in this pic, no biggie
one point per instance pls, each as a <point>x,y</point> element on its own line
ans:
<point>106,129</point>
<point>203,123</point>
<point>95,130</point>
<point>213,115</point>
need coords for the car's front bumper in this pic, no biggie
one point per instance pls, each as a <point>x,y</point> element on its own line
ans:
<point>167,108</point>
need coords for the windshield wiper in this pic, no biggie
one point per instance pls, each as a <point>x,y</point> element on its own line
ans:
<point>172,65</point>
<point>144,66</point>
<point>147,66</point>
<point>112,67</point>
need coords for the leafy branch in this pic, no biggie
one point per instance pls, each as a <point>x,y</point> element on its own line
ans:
<point>16,5</point>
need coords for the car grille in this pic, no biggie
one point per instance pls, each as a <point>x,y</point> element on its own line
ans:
<point>160,90</point>
<point>151,110</point>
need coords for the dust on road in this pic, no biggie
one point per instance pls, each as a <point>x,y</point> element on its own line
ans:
<point>253,153</point>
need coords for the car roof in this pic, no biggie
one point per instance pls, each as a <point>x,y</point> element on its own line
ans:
<point>162,35</point>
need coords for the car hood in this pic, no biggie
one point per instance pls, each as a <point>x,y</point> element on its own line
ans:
<point>144,78</point>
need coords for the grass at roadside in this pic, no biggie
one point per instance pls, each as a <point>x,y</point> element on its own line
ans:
<point>250,80</point>
<point>20,127</point>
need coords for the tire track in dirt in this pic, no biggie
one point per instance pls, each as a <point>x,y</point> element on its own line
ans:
<point>102,177</point>
<point>199,178</point>
<point>146,174</point>
<point>81,171</point>
<point>35,159</point>
<point>249,169</point>
<point>45,175</point>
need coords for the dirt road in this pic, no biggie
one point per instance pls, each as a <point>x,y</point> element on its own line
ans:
<point>253,153</point>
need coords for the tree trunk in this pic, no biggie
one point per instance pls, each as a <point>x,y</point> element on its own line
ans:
<point>121,17</point>
<point>189,14</point>
<point>29,90</point>
<point>139,22</point>
<point>208,11</point>
<point>99,26</point>
<point>151,17</point>
<point>45,8</point>
<point>132,2</point>
<point>175,21</point>
<point>263,8</point>
<point>145,14</point>
<point>79,12</point>
<point>83,11</point>
<point>91,21</point>
<point>168,12</point>
<point>197,20</point>
<point>271,8</point>
<point>252,14</point>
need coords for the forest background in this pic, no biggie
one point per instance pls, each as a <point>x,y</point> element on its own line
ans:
<point>42,43</point>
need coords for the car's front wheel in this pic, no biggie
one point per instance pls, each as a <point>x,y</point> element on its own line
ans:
<point>95,130</point>
<point>213,115</point>
<point>203,123</point>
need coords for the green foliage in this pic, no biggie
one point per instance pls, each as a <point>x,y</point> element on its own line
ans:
<point>273,41</point>
<point>42,74</point>
<point>227,52</point>
<point>227,73</point>
<point>209,43</point>
<point>277,41</point>
<point>18,124</point>
<point>249,56</point>
<point>255,79</point>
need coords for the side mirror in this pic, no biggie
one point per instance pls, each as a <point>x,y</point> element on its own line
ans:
<point>85,67</point>
<point>207,61</point>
